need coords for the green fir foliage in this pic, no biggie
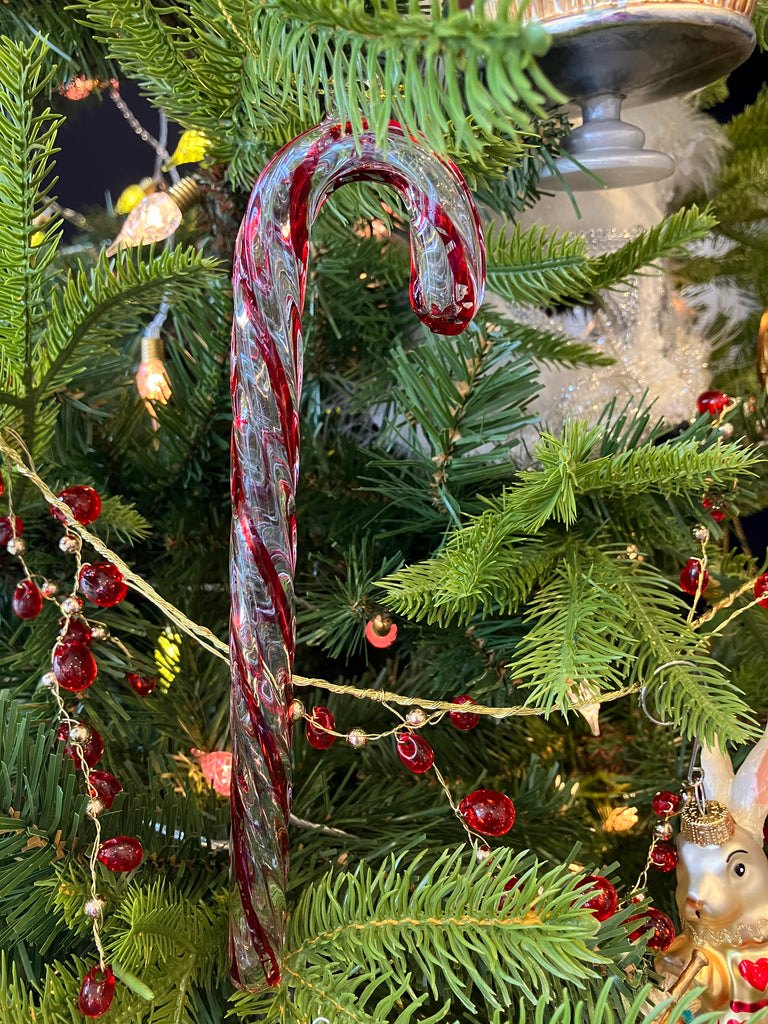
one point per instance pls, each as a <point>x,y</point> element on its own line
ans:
<point>535,571</point>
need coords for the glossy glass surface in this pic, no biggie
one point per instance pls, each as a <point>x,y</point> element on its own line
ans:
<point>447,280</point>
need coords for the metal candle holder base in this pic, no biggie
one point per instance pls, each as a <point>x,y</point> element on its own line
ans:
<point>638,53</point>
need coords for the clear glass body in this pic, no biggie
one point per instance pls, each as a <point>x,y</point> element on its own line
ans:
<point>447,280</point>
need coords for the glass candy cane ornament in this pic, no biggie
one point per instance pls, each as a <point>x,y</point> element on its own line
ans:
<point>447,280</point>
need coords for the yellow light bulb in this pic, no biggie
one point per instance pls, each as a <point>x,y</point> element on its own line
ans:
<point>191,149</point>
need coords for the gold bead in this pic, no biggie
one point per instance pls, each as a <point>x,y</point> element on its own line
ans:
<point>298,710</point>
<point>357,738</point>
<point>416,717</point>
<point>95,807</point>
<point>700,533</point>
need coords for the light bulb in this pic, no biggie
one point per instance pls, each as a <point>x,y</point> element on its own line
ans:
<point>151,378</point>
<point>217,769</point>
<point>190,150</point>
<point>157,216</point>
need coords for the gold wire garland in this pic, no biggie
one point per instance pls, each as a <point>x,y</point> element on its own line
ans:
<point>211,643</point>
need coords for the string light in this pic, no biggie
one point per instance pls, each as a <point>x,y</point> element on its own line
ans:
<point>152,381</point>
<point>157,216</point>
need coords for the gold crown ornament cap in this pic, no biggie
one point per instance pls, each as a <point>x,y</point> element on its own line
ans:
<point>710,826</point>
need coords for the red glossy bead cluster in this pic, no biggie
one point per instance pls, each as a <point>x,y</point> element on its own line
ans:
<point>690,575</point>
<point>74,668</point>
<point>97,991</point>
<point>662,855</point>
<point>712,403</point>
<point>603,900</point>
<point>660,927</point>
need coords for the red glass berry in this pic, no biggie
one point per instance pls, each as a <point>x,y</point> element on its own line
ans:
<point>27,600</point>
<point>97,991</point>
<point>603,901</point>
<point>761,590</point>
<point>123,853</point>
<point>689,577</point>
<point>83,501</point>
<point>663,857</point>
<point>712,402</point>
<point>466,721</point>
<point>716,508</point>
<point>92,747</point>
<point>488,812</point>
<point>2,484</point>
<point>6,529</point>
<point>74,666</point>
<point>102,583</point>
<point>663,932</point>
<point>415,753</point>
<point>143,685</point>
<point>317,737</point>
<point>104,785</point>
<point>665,803</point>
<point>75,631</point>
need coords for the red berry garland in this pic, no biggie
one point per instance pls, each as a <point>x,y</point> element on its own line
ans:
<point>464,720</point>
<point>103,785</point>
<point>97,991</point>
<point>661,928</point>
<point>83,501</point>
<point>317,723</point>
<point>689,577</point>
<point>27,600</point>
<point>488,812</point>
<point>74,667</point>
<point>7,524</point>
<point>712,403</point>
<point>102,583</point>
<point>123,853</point>
<point>143,685</point>
<point>415,753</point>
<point>603,902</point>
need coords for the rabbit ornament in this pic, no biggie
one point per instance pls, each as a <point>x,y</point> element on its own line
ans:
<point>722,886</point>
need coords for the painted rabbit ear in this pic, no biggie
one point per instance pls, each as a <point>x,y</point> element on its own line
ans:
<point>748,799</point>
<point>718,774</point>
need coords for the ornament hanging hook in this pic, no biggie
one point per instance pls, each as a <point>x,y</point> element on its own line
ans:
<point>644,689</point>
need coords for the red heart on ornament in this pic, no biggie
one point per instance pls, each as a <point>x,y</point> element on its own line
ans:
<point>756,972</point>
<point>732,1020</point>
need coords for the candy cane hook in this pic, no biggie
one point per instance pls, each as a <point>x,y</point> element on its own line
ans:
<point>447,280</point>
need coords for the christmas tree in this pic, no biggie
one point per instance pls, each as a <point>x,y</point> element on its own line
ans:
<point>585,588</point>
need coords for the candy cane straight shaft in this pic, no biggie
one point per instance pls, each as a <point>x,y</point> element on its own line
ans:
<point>447,279</point>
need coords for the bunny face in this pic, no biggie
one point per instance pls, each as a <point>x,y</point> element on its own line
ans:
<point>718,886</point>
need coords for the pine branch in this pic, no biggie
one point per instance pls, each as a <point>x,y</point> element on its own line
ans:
<point>457,584</point>
<point>119,294</point>
<point>547,346</point>
<point>569,640</point>
<point>463,400</point>
<point>27,145</point>
<point>374,63</point>
<point>541,266</point>
<point>666,239</point>
<point>439,930</point>
<point>538,265</point>
<point>472,564</point>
